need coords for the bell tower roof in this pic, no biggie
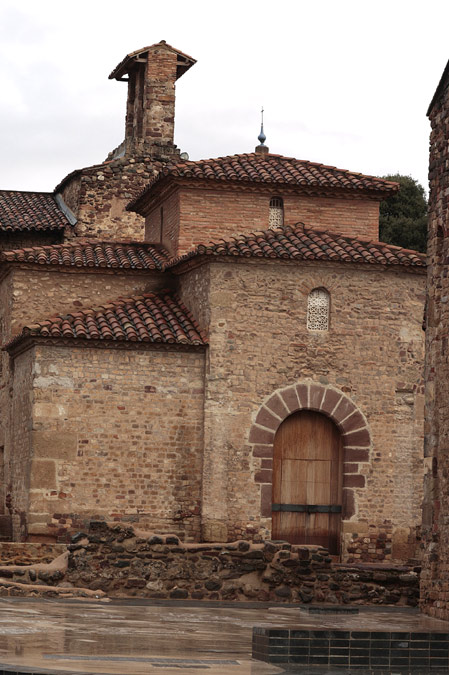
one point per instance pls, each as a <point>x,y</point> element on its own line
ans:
<point>184,61</point>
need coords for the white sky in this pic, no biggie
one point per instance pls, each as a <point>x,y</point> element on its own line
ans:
<point>343,83</point>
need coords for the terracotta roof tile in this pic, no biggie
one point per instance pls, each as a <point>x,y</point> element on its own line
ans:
<point>147,318</point>
<point>79,253</point>
<point>30,211</point>
<point>301,243</point>
<point>274,170</point>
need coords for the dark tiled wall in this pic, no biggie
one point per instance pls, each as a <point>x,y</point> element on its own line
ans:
<point>352,649</point>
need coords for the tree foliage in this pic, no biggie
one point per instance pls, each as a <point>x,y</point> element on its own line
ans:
<point>403,217</point>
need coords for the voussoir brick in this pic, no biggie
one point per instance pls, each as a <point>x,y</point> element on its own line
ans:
<point>302,391</point>
<point>330,400</point>
<point>359,439</point>
<point>265,418</point>
<point>316,394</point>
<point>343,409</point>
<point>260,435</point>
<point>290,398</point>
<point>276,404</point>
<point>353,422</point>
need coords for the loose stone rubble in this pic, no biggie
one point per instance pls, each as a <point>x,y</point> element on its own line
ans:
<point>119,561</point>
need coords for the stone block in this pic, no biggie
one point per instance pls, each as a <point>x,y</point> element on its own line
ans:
<point>277,405</point>
<point>214,530</point>
<point>290,398</point>
<point>43,474</point>
<point>359,439</point>
<point>55,444</point>
<point>265,418</point>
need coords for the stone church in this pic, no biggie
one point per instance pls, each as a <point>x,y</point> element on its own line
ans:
<point>219,348</point>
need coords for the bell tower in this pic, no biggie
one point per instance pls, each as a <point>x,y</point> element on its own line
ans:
<point>151,74</point>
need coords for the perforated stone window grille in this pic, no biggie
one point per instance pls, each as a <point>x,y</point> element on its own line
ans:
<point>276,216</point>
<point>318,310</point>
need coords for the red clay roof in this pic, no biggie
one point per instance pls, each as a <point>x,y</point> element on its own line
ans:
<point>301,243</point>
<point>124,66</point>
<point>274,170</point>
<point>124,255</point>
<point>30,211</point>
<point>147,318</point>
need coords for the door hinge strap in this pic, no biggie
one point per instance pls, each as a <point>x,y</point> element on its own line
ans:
<point>307,508</point>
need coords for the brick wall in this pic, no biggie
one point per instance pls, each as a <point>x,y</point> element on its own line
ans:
<point>164,227</point>
<point>373,353</point>
<point>211,214</point>
<point>435,579</point>
<point>115,434</point>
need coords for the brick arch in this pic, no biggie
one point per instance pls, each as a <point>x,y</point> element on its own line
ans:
<point>330,402</point>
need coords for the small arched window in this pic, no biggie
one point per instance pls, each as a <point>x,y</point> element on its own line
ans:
<point>276,215</point>
<point>318,310</point>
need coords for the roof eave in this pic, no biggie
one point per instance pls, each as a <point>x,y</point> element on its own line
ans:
<point>24,341</point>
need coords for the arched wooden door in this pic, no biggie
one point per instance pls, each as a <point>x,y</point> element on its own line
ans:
<point>307,481</point>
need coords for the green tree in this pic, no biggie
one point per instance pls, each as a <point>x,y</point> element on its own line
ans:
<point>403,217</point>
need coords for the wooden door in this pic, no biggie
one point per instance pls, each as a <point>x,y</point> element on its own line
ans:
<point>307,481</point>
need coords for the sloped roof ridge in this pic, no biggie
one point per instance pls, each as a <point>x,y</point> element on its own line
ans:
<point>90,252</point>
<point>148,317</point>
<point>266,157</point>
<point>270,169</point>
<point>300,241</point>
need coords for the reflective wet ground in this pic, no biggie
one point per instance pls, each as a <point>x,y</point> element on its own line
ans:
<point>139,638</point>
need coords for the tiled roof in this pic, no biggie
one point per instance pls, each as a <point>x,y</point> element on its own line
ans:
<point>132,255</point>
<point>147,318</point>
<point>126,64</point>
<point>302,243</point>
<point>275,170</point>
<point>30,211</point>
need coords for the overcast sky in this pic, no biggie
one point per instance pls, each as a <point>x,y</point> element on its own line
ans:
<point>343,83</point>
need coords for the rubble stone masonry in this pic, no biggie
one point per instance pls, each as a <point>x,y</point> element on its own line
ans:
<point>259,345</point>
<point>98,197</point>
<point>114,434</point>
<point>435,579</point>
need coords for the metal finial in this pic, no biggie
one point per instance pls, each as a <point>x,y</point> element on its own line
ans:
<point>261,137</point>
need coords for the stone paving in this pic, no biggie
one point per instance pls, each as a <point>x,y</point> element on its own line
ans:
<point>139,638</point>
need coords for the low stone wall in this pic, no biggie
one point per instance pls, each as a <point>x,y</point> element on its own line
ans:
<point>124,562</point>
<point>29,553</point>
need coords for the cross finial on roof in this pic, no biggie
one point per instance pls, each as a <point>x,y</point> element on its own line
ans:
<point>261,137</point>
<point>262,148</point>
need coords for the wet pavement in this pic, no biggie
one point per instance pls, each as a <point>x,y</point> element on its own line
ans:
<point>140,638</point>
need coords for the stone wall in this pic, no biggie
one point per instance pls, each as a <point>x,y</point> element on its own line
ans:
<point>14,240</point>
<point>121,561</point>
<point>435,580</point>
<point>98,196</point>
<point>213,214</point>
<point>114,434</point>
<point>372,355</point>
<point>19,453</point>
<point>59,290</point>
